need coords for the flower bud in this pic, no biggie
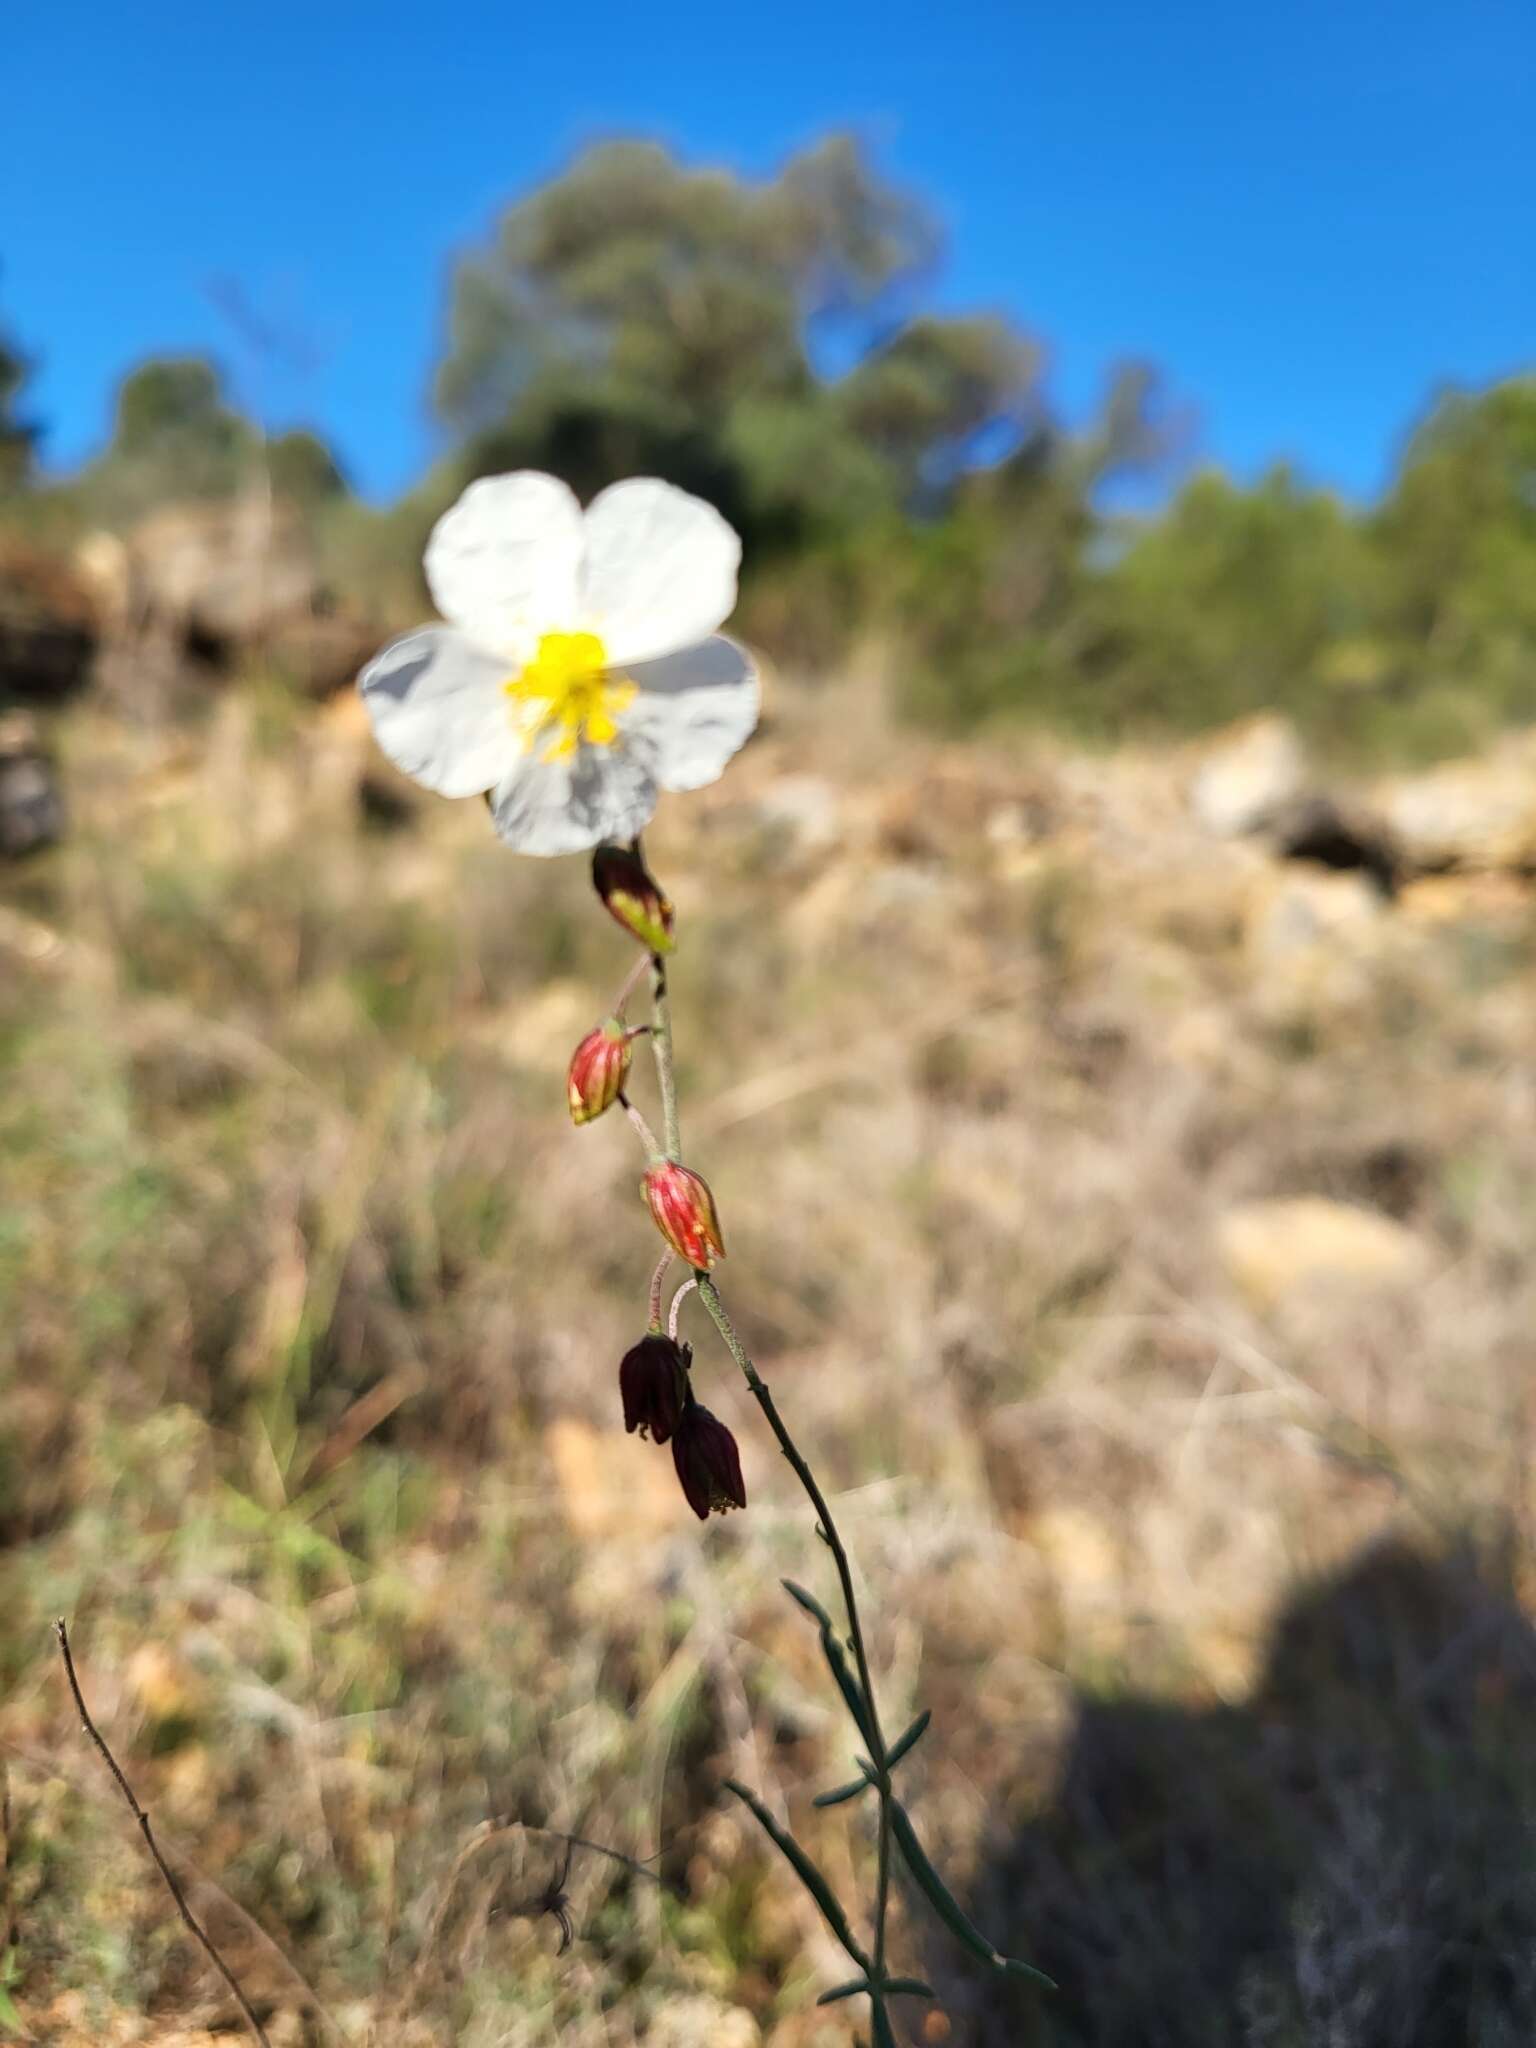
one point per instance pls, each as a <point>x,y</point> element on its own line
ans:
<point>653,1383</point>
<point>683,1210</point>
<point>599,1066</point>
<point>632,897</point>
<point>708,1463</point>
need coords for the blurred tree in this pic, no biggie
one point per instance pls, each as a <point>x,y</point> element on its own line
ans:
<point>304,470</point>
<point>635,314</point>
<point>691,285</point>
<point>1230,600</point>
<point>942,394</point>
<point>1001,609</point>
<point>18,436</point>
<point>1457,534</point>
<point>767,344</point>
<point>176,406</point>
<point>175,437</point>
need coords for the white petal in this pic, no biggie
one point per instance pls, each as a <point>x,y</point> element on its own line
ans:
<point>565,806</point>
<point>695,709</point>
<point>503,564</point>
<point>439,711</point>
<point>660,570</point>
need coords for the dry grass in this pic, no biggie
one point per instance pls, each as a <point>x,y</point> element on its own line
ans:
<point>312,1303</point>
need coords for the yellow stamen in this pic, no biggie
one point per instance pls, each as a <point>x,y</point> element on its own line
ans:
<point>567,686</point>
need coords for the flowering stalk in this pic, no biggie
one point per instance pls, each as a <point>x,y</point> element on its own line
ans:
<point>661,1041</point>
<point>579,671</point>
<point>706,1461</point>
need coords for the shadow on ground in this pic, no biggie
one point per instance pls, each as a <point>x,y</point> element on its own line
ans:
<point>1348,1859</point>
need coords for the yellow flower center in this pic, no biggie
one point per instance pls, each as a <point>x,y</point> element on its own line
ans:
<point>567,686</point>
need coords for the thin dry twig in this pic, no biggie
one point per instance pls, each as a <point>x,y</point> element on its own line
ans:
<point>551,1897</point>
<point>171,1884</point>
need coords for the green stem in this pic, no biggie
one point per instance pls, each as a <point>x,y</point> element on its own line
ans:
<point>631,981</point>
<point>661,1043</point>
<point>709,1294</point>
<point>646,1134</point>
<point>883,1879</point>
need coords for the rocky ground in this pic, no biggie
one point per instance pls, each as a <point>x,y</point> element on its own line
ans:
<point>1127,1164</point>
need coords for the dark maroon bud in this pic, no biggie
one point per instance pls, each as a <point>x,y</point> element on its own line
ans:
<point>633,897</point>
<point>708,1463</point>
<point>653,1381</point>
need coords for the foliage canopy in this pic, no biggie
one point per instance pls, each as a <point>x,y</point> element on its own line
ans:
<point>774,344</point>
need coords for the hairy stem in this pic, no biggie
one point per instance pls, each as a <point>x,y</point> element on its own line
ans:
<point>646,1135</point>
<point>661,1041</point>
<point>631,983</point>
<point>657,1280</point>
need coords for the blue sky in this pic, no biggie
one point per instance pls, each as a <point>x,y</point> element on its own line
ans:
<point>1307,215</point>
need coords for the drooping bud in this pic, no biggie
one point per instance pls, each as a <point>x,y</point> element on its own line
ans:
<point>708,1463</point>
<point>683,1210</point>
<point>632,896</point>
<point>653,1382</point>
<point>598,1069</point>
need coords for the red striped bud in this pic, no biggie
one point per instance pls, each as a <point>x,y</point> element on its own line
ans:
<point>708,1463</point>
<point>599,1067</point>
<point>653,1383</point>
<point>683,1210</point>
<point>632,896</point>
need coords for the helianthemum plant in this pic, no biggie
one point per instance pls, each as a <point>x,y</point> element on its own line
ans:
<point>581,672</point>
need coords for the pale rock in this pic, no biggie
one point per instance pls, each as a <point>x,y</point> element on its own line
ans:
<point>1277,1249</point>
<point>1302,909</point>
<point>1468,814</point>
<point>1313,941</point>
<point>229,569</point>
<point>1249,777</point>
<point>1466,899</point>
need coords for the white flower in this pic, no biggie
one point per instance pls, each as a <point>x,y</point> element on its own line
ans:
<point>580,671</point>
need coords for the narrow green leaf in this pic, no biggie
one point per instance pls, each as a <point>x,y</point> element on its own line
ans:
<point>805,1870</point>
<point>904,1742</point>
<point>909,1987</point>
<point>832,1650</point>
<point>847,1684</point>
<point>844,1991</point>
<point>849,1791</point>
<point>808,1601</point>
<point>947,1906</point>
